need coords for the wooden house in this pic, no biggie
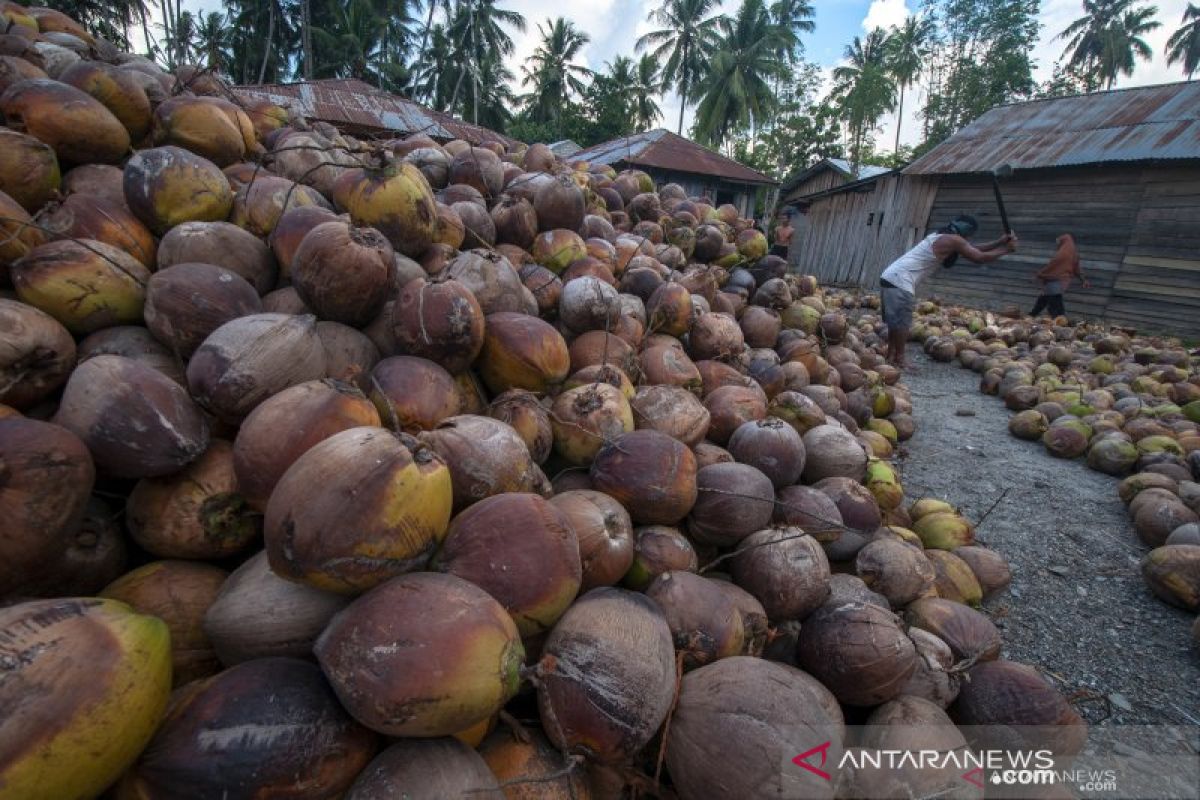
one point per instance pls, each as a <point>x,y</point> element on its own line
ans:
<point>1120,170</point>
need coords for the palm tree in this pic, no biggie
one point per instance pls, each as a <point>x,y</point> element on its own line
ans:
<point>253,60</point>
<point>550,71</point>
<point>792,17</point>
<point>477,29</point>
<point>647,85</point>
<point>864,88</point>
<point>1106,42</point>
<point>431,8</point>
<point>437,72</point>
<point>1184,44</point>
<point>735,93</point>
<point>683,43</point>
<point>213,41</point>
<point>907,47</point>
<point>352,45</point>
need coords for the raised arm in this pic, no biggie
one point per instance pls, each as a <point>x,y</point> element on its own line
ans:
<point>984,253</point>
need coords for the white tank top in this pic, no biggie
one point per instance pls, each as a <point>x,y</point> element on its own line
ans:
<point>916,266</point>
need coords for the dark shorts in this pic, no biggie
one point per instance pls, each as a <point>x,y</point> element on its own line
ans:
<point>898,307</point>
<point>780,250</point>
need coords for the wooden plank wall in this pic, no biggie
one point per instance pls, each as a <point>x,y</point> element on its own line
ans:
<point>851,236</point>
<point>1137,229</point>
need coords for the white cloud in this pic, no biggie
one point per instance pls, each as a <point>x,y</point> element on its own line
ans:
<point>884,14</point>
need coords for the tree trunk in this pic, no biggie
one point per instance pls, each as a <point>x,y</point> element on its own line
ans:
<point>262,70</point>
<point>899,121</point>
<point>424,44</point>
<point>682,106</point>
<point>306,40</point>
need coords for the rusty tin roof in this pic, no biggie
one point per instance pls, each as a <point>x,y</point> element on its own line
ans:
<point>357,105</point>
<point>1146,123</point>
<point>665,150</point>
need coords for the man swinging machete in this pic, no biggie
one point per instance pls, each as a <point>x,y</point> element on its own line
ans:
<point>901,280</point>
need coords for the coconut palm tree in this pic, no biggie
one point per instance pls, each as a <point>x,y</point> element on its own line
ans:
<point>906,48</point>
<point>792,17</point>
<point>351,46</point>
<point>213,41</point>
<point>864,88</point>
<point>682,45</point>
<point>1107,41</point>
<point>438,70</point>
<point>735,94</point>
<point>550,73</point>
<point>647,85</point>
<point>1184,44</point>
<point>477,27</point>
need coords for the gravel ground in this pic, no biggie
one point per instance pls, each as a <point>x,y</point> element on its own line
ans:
<point>1077,607</point>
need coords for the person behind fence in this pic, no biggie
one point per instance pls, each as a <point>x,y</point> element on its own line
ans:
<point>1055,278</point>
<point>904,276</point>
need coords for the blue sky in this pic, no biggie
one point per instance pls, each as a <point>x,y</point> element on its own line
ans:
<point>614,26</point>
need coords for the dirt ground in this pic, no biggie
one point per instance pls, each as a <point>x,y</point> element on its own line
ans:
<point>1077,607</point>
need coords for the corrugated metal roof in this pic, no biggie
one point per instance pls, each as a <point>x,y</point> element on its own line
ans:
<point>1146,123</point>
<point>840,165</point>
<point>358,105</point>
<point>665,150</point>
<point>565,148</point>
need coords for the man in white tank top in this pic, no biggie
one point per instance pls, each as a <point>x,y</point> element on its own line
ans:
<point>904,276</point>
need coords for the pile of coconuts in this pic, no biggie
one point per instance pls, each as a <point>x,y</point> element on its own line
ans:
<point>1128,405</point>
<point>345,469</point>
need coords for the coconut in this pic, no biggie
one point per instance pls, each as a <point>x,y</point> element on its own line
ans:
<point>934,679</point>
<point>36,354</point>
<point>772,446</point>
<point>86,285</point>
<point>944,531</point>
<point>530,768</point>
<point>715,336</point>
<point>671,410</point>
<point>118,90</point>
<point>479,168</point>
<point>665,365</point>
<point>185,303</point>
<point>333,516</point>
<point>257,614</point>
<point>79,128</point>
<point>343,273</point>
<point>258,205</point>
<point>290,230</point>
<point>136,343</point>
<point>202,748</point>
<point>855,502</point>
<point>48,476</point>
<point>413,394</point>
<point>858,651</point>
<point>440,321</point>
<point>522,411</point>
<point>705,624</point>
<point>166,186</point>
<point>522,551</point>
<point>733,501</point>
<point>783,568</point>
<point>588,304</point>
<point>758,713</point>
<point>1185,534</point>
<point>955,579</point>
<point>658,549</point>
<point>1173,573</point>
<point>395,199</point>
<point>179,593</point>
<point>968,633</point>
<point>1022,705</point>
<point>731,407</point>
<point>1154,521</point>
<point>604,532</point>
<point>989,567</point>
<point>486,457</point>
<point>797,410</point>
<point>491,278</point>
<point>1030,425</point>
<point>603,695</point>
<point>586,418</point>
<point>196,513</point>
<point>832,452</point>
<point>102,220</point>
<point>17,237</point>
<point>406,621</point>
<point>140,424</point>
<point>247,360</point>
<point>190,122</point>
<point>898,571</point>
<point>522,352</point>
<point>811,510</point>
<point>77,661</point>
<point>426,769</point>
<point>29,171</point>
<point>651,474</point>
<point>311,412</point>
<point>559,203</point>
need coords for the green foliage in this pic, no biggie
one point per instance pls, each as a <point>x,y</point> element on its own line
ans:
<point>1184,45</point>
<point>683,44</point>
<point>553,79</point>
<point>981,59</point>
<point>1107,41</point>
<point>864,88</point>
